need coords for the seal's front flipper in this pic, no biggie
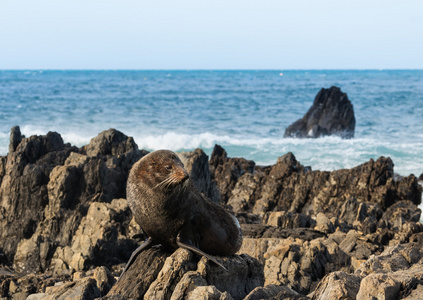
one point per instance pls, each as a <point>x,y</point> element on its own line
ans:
<point>199,252</point>
<point>147,244</point>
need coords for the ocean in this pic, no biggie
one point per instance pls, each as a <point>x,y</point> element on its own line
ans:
<point>246,112</point>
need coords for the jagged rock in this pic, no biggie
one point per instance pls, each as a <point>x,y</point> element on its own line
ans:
<point>358,245</point>
<point>47,188</point>
<point>275,186</point>
<point>104,279</point>
<point>190,281</point>
<point>399,214</point>
<point>197,164</point>
<point>23,190</point>
<point>170,274</point>
<point>62,210</point>
<point>98,238</point>
<point>46,287</point>
<point>324,224</point>
<point>244,274</point>
<point>356,197</point>
<point>84,289</point>
<point>337,285</point>
<point>393,259</point>
<point>394,274</point>
<point>208,292</point>
<point>155,274</point>
<point>263,231</point>
<point>137,279</point>
<point>287,295</point>
<point>274,292</point>
<point>226,171</point>
<point>283,219</point>
<point>341,261</point>
<point>15,138</point>
<point>331,114</point>
<point>415,294</point>
<point>110,142</point>
<point>379,286</point>
<point>292,257</point>
<point>298,266</point>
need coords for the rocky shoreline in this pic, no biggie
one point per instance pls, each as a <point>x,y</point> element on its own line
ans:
<point>66,229</point>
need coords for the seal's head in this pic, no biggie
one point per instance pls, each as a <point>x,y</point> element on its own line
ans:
<point>161,170</point>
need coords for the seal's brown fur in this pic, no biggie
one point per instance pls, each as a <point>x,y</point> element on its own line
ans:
<point>172,212</point>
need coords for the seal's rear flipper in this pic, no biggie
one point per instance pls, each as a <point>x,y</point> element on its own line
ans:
<point>147,244</point>
<point>199,252</point>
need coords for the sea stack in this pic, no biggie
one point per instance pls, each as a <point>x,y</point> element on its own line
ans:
<point>331,114</point>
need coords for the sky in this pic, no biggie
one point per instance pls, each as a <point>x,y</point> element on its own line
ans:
<point>218,34</point>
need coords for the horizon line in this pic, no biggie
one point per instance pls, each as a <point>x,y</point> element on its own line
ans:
<point>205,69</point>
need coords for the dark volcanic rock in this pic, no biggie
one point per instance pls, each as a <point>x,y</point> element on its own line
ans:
<point>156,274</point>
<point>15,138</point>
<point>197,164</point>
<point>226,171</point>
<point>262,231</point>
<point>47,187</point>
<point>337,285</point>
<point>331,114</point>
<point>348,194</point>
<point>352,233</point>
<point>110,142</point>
<point>23,190</point>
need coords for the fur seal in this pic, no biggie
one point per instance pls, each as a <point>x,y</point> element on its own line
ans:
<point>173,213</point>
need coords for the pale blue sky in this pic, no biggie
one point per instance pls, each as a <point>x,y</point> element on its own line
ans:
<point>218,34</point>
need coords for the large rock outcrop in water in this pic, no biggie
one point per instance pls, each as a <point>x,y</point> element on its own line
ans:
<point>66,230</point>
<point>331,114</point>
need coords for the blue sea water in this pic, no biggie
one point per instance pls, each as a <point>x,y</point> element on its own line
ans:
<point>246,112</point>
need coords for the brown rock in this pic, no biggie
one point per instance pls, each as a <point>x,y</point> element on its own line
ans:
<point>337,285</point>
<point>416,294</point>
<point>157,275</point>
<point>98,238</point>
<point>15,138</point>
<point>226,171</point>
<point>379,286</point>
<point>197,164</point>
<point>84,289</point>
<point>208,292</point>
<point>110,142</point>
<point>287,220</point>
<point>104,279</point>
<point>274,292</point>
<point>356,197</point>
<point>23,190</point>
<point>171,273</point>
<point>396,258</point>
<point>47,187</point>
<point>138,278</point>
<point>189,282</point>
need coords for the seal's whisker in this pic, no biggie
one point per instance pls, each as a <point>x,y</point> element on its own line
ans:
<point>172,180</point>
<point>162,183</point>
<point>169,181</point>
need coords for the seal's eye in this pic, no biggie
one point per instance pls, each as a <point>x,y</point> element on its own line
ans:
<point>168,167</point>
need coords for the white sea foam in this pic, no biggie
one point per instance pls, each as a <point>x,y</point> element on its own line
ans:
<point>76,139</point>
<point>176,141</point>
<point>325,154</point>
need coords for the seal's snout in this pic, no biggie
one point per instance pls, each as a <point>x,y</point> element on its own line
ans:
<point>182,175</point>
